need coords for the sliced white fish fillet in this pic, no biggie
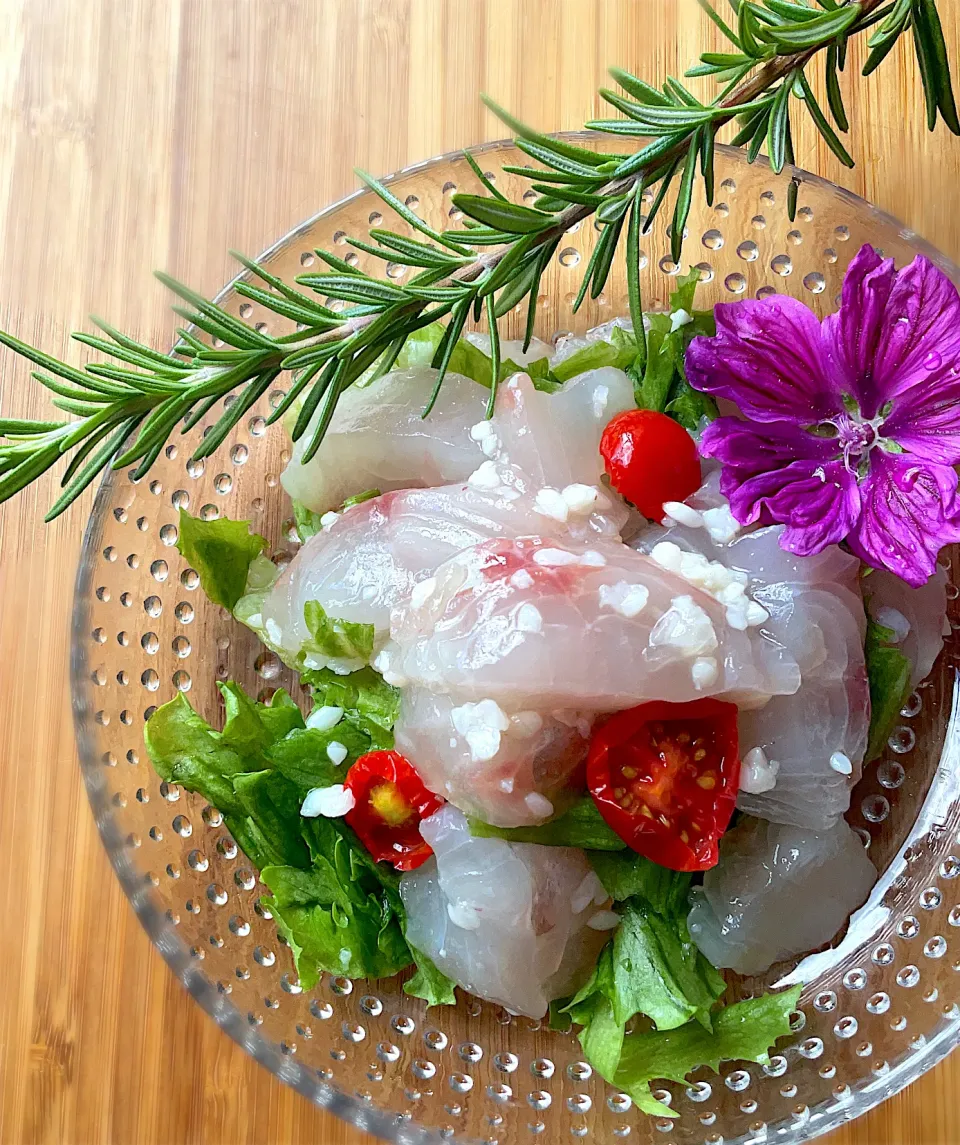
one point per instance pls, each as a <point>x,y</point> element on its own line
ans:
<point>777,892</point>
<point>500,918</point>
<point>554,439</point>
<point>511,349</point>
<point>370,559</point>
<point>818,735</point>
<point>917,615</point>
<point>378,438</point>
<point>613,629</point>
<point>508,767</point>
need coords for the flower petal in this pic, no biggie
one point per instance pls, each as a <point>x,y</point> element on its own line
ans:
<point>926,421</point>
<point>768,359</point>
<point>818,502</point>
<point>893,330</point>
<point>854,332</point>
<point>909,513</point>
<point>751,448</point>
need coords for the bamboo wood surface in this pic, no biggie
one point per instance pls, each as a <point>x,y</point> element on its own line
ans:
<point>141,134</point>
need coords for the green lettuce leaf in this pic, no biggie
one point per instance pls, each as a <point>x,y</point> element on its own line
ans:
<point>745,1031</point>
<point>688,406</point>
<point>625,874</point>
<point>429,983</point>
<point>366,698</point>
<point>580,826</point>
<point>185,749</point>
<point>602,1035</point>
<point>597,354</point>
<point>651,967</point>
<point>652,390</point>
<point>306,520</point>
<point>221,552</point>
<point>337,639</point>
<point>337,908</point>
<point>888,673</point>
<point>685,291</point>
<point>301,756</point>
<point>272,807</point>
<point>420,346</point>
<point>332,928</point>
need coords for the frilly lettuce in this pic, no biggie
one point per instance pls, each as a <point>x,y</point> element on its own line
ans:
<point>337,909</point>
<point>221,552</point>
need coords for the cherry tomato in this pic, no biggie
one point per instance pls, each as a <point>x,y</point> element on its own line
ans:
<point>650,459</point>
<point>665,778</point>
<point>390,803</point>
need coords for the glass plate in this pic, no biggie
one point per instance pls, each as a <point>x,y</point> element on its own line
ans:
<point>875,1013</point>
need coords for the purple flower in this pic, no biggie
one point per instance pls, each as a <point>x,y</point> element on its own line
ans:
<point>850,428</point>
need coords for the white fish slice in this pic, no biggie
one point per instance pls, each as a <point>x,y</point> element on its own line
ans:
<point>778,891</point>
<point>498,918</point>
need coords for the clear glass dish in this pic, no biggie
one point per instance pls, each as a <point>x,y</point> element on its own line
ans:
<point>875,1013</point>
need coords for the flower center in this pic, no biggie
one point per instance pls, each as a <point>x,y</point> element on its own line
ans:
<point>854,435</point>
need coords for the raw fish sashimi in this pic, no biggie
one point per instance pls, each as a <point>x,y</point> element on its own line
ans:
<point>511,349</point>
<point>817,737</point>
<point>510,768</point>
<point>378,438</point>
<point>507,921</point>
<point>777,891</point>
<point>539,623</point>
<point>554,439</point>
<point>370,558</point>
<point>917,616</point>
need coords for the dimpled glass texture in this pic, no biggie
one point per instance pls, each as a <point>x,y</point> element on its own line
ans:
<point>875,1013</point>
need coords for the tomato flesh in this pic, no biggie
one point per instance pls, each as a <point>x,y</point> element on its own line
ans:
<point>391,801</point>
<point>650,459</point>
<point>665,778</point>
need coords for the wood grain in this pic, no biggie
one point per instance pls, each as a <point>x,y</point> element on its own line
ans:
<point>137,134</point>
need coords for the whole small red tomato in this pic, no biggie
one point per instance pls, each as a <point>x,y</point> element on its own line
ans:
<point>391,802</point>
<point>650,459</point>
<point>665,778</point>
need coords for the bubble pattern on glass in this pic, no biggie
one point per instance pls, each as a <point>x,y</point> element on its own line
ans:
<point>144,631</point>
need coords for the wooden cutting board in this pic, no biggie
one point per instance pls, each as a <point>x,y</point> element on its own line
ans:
<point>137,134</point>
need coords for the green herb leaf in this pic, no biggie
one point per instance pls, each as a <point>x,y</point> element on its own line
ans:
<point>888,672</point>
<point>505,216</point>
<point>580,826</point>
<point>220,551</point>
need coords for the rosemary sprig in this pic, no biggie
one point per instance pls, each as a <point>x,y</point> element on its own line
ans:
<point>127,409</point>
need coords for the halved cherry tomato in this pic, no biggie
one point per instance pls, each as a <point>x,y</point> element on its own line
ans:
<point>650,459</point>
<point>390,803</point>
<point>665,778</point>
